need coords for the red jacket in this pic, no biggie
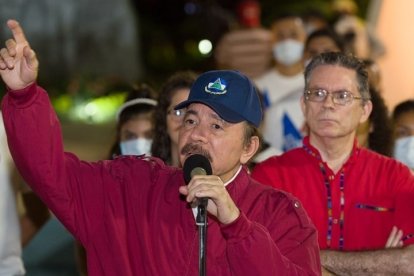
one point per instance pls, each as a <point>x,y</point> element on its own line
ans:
<point>131,219</point>
<point>378,194</point>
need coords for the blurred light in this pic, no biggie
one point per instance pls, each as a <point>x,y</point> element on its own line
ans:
<point>91,109</point>
<point>205,46</point>
<point>190,8</point>
<point>63,104</point>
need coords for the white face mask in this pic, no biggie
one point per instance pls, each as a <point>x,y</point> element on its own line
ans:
<point>404,151</point>
<point>288,51</point>
<point>136,146</point>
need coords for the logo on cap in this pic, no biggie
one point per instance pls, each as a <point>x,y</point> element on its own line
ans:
<point>218,87</point>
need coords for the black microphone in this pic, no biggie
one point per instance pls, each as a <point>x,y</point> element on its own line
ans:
<point>197,164</point>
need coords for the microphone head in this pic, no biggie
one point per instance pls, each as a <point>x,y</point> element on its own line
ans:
<point>196,164</point>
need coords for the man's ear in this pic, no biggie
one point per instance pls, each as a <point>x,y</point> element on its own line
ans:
<point>302,104</point>
<point>367,109</point>
<point>250,149</point>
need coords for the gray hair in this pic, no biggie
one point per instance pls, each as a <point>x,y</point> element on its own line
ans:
<point>344,60</point>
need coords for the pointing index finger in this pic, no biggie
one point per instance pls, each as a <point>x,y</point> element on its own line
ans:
<point>17,31</point>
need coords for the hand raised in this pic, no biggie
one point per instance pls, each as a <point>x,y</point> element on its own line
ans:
<point>18,62</point>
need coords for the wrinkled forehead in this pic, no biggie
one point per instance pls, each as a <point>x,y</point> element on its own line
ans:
<point>333,77</point>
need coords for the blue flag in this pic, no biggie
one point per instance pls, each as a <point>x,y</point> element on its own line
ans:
<point>266,99</point>
<point>292,138</point>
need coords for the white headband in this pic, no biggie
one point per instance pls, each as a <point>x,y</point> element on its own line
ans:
<point>134,102</point>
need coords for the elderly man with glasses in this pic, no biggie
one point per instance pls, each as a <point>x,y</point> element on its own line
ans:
<point>361,202</point>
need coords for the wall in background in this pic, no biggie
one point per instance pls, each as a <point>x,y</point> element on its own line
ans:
<point>394,30</point>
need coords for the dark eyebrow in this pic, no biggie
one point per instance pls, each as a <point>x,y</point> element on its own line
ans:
<point>189,112</point>
<point>316,88</point>
<point>338,90</point>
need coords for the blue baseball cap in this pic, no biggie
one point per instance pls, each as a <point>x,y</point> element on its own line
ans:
<point>229,93</point>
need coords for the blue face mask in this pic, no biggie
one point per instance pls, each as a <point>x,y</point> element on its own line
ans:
<point>404,151</point>
<point>136,146</point>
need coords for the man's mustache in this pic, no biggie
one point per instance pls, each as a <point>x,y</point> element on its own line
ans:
<point>195,149</point>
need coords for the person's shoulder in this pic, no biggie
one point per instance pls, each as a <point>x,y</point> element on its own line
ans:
<point>265,154</point>
<point>296,207</point>
<point>376,158</point>
<point>289,157</point>
<point>276,199</point>
<point>266,164</point>
<point>271,192</point>
<point>385,164</point>
<point>268,194</point>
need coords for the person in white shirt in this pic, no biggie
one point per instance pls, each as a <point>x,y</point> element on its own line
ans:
<point>18,223</point>
<point>283,82</point>
<point>10,245</point>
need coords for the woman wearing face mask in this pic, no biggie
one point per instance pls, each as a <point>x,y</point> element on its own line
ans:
<point>167,120</point>
<point>403,120</point>
<point>134,133</point>
<point>135,126</point>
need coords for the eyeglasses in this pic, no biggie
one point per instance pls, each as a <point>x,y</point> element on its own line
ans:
<point>341,97</point>
<point>176,114</point>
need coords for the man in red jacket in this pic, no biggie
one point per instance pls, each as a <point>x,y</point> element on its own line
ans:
<point>128,212</point>
<point>359,200</point>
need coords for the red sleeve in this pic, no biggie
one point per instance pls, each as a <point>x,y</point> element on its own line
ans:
<point>35,141</point>
<point>404,202</point>
<point>288,248</point>
<point>265,173</point>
